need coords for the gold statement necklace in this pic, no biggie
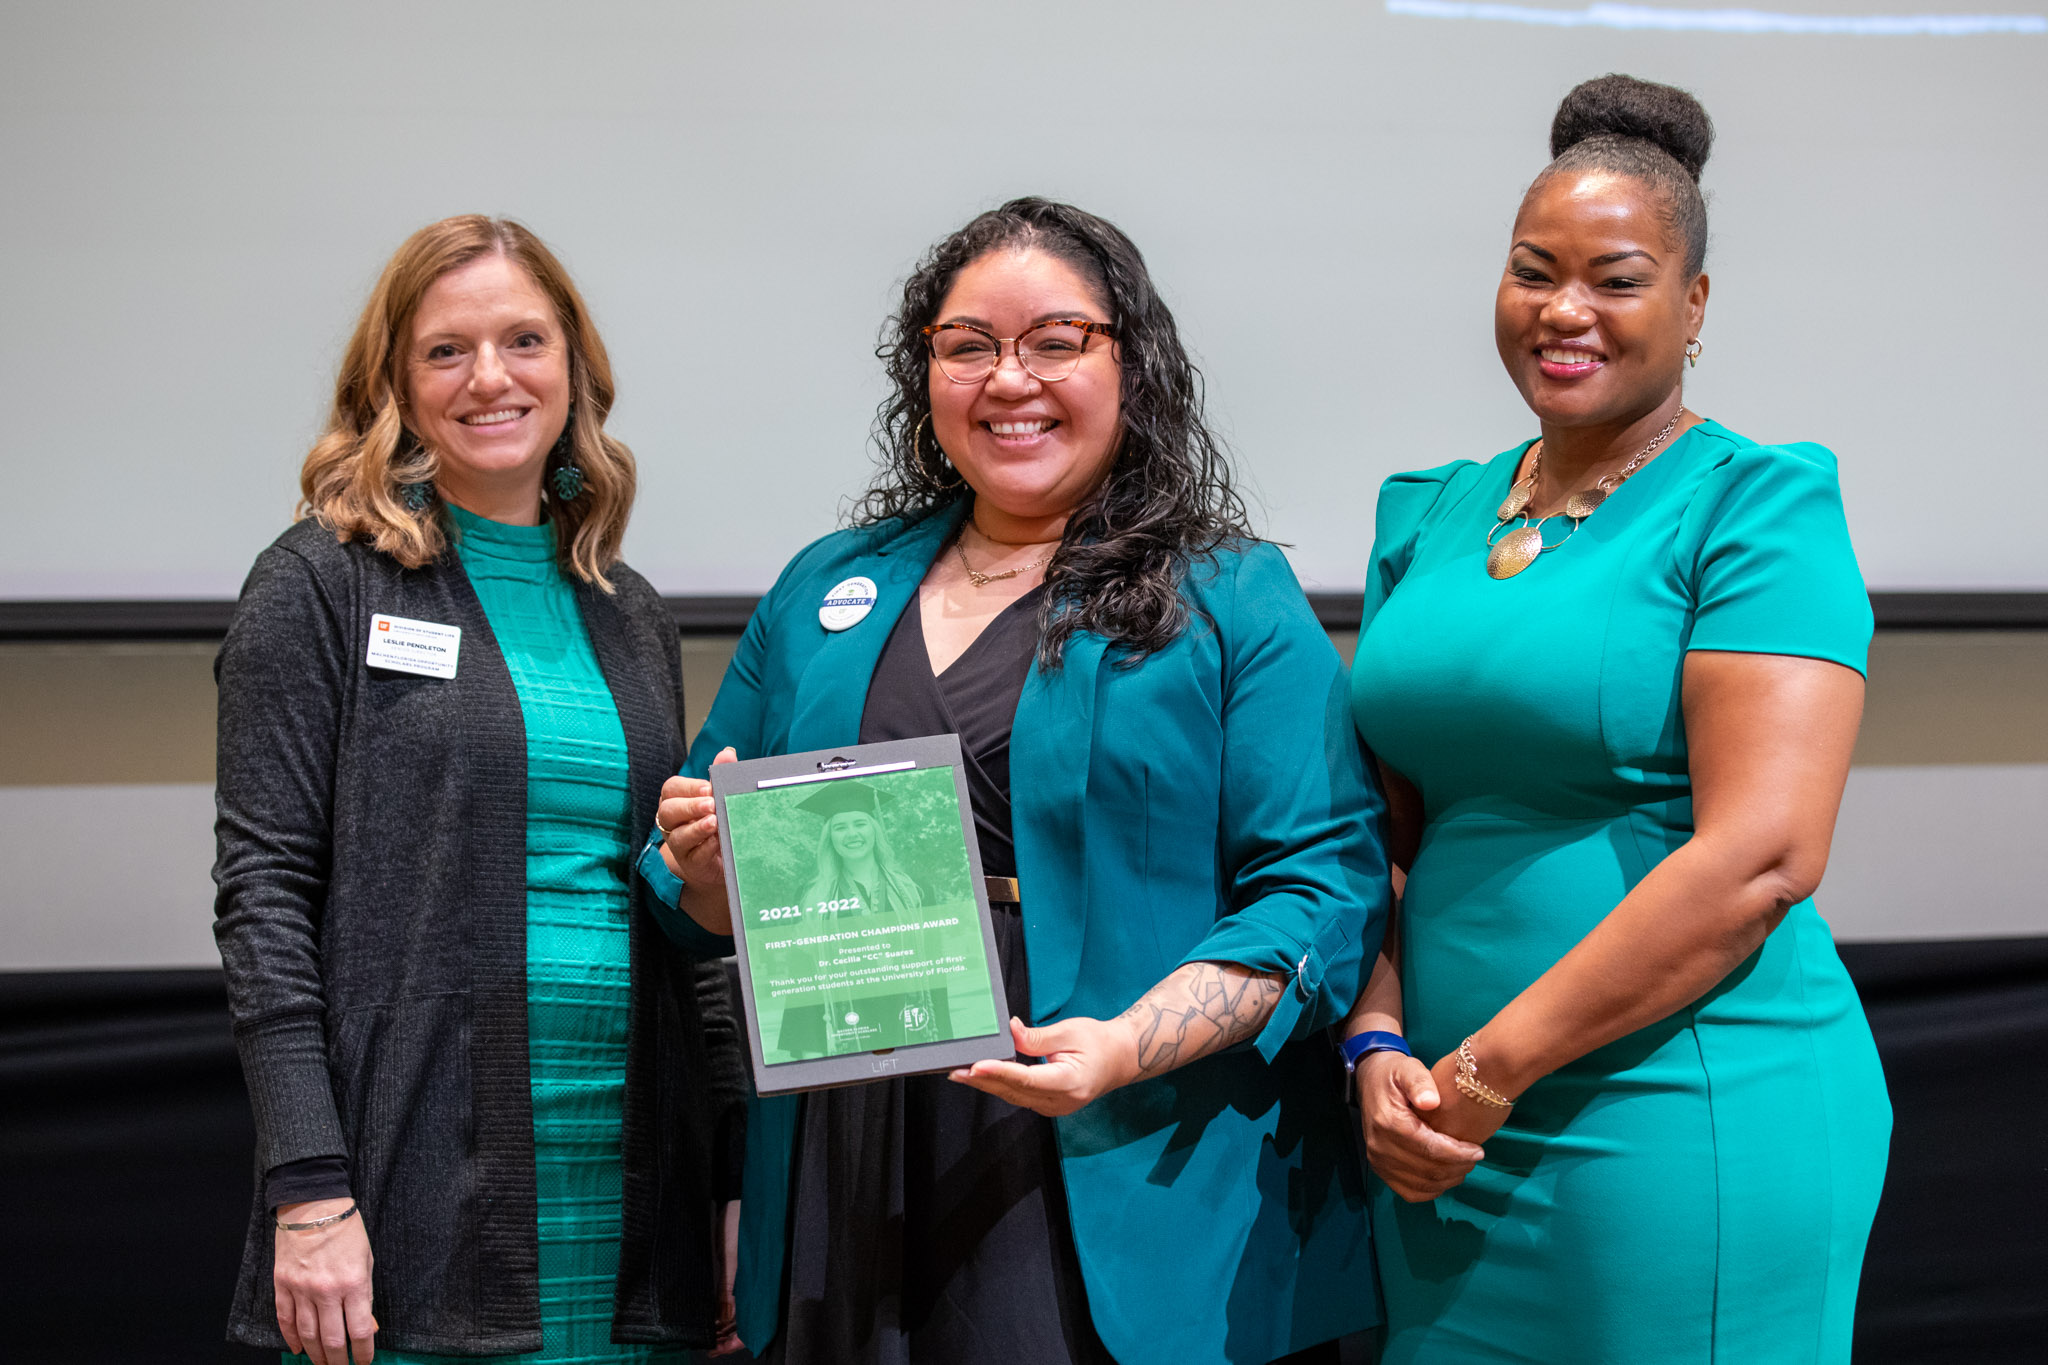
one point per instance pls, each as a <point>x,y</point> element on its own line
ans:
<point>982,580</point>
<point>1509,554</point>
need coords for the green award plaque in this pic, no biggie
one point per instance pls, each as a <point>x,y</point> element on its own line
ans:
<point>860,914</point>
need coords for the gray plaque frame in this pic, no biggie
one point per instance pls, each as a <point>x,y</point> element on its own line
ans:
<point>856,1068</point>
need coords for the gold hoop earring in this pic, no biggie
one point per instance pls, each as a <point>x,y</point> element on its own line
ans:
<point>917,454</point>
<point>1692,352</point>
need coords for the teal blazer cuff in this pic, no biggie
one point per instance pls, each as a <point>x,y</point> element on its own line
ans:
<point>1239,939</point>
<point>664,901</point>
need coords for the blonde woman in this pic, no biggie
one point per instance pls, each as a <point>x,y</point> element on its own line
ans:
<point>857,869</point>
<point>486,1097</point>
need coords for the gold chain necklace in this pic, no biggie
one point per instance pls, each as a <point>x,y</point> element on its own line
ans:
<point>1518,549</point>
<point>982,580</point>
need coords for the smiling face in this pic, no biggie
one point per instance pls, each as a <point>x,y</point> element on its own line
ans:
<point>853,835</point>
<point>488,385</point>
<point>1031,449</point>
<point>1595,308</point>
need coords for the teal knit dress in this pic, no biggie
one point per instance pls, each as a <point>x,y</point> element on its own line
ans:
<point>579,845</point>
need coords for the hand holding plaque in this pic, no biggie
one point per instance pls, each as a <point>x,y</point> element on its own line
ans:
<point>858,906</point>
<point>690,846</point>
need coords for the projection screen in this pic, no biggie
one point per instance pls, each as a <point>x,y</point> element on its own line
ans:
<point>198,199</point>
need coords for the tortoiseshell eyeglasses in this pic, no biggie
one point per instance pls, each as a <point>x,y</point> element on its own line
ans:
<point>1049,351</point>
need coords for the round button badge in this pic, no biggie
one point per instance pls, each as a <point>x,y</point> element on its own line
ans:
<point>847,604</point>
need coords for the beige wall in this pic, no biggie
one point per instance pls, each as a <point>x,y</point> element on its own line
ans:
<point>85,714</point>
<point>91,714</point>
<point>108,760</point>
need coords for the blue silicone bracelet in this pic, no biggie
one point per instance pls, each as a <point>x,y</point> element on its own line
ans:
<point>1359,1046</point>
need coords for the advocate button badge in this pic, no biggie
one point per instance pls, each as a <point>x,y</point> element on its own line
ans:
<point>847,604</point>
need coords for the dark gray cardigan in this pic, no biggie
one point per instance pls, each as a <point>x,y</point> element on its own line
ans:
<point>372,921</point>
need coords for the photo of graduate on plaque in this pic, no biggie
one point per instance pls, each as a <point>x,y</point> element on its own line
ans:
<point>860,913</point>
<point>857,867</point>
<point>857,875</point>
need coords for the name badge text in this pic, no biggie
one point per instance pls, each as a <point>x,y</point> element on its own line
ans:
<point>407,646</point>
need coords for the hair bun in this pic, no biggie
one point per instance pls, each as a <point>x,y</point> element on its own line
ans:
<point>1622,106</point>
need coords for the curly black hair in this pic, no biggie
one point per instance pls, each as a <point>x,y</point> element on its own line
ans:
<point>1167,500</point>
<point>1657,134</point>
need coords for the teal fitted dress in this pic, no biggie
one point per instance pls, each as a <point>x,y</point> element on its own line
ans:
<point>1701,1190</point>
<point>579,842</point>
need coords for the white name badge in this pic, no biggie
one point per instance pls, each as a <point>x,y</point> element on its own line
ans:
<point>847,604</point>
<point>414,646</point>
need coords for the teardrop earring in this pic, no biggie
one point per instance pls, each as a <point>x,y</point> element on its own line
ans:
<point>1692,352</point>
<point>567,480</point>
<point>416,494</point>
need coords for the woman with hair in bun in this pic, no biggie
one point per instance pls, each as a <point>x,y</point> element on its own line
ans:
<point>1613,677</point>
<point>1177,817</point>
<point>487,1096</point>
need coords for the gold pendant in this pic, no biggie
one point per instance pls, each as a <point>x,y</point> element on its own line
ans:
<point>1583,503</point>
<point>1518,498</point>
<point>1514,552</point>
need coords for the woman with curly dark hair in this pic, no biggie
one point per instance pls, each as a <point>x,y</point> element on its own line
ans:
<point>1174,808</point>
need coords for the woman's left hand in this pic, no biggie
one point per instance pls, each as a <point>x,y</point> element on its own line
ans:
<point>727,1326</point>
<point>1459,1115</point>
<point>1084,1060</point>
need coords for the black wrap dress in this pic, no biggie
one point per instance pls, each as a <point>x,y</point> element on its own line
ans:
<point>930,1221</point>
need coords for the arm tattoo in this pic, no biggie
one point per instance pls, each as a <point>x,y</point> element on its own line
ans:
<point>1204,1007</point>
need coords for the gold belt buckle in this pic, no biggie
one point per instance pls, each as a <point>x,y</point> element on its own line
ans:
<point>1003,890</point>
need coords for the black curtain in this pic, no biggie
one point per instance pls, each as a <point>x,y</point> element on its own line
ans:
<point>125,1150</point>
<point>125,1160</point>
<point>1958,1262</point>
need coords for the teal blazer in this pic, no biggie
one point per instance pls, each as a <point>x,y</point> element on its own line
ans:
<point>1209,804</point>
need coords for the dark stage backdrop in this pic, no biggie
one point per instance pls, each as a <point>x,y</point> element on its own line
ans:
<point>125,1150</point>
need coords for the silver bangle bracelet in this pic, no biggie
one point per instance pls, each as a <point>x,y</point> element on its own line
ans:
<point>329,1220</point>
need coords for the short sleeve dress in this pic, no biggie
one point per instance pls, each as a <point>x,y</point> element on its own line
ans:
<point>1700,1190</point>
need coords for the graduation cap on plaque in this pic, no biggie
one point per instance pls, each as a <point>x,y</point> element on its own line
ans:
<point>847,793</point>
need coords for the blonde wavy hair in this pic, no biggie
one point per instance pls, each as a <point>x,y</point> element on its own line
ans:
<point>832,879</point>
<point>354,476</point>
